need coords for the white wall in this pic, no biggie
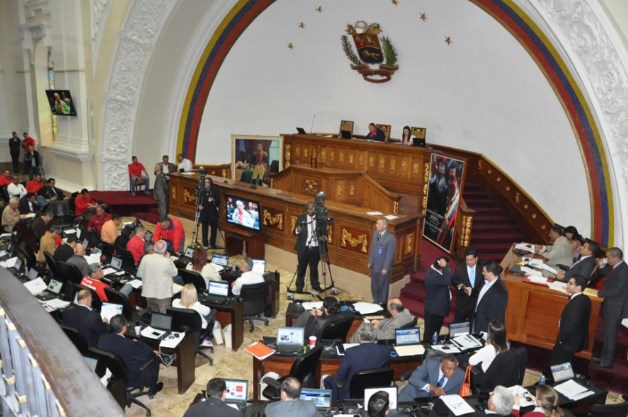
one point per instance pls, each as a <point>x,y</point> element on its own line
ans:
<point>483,92</point>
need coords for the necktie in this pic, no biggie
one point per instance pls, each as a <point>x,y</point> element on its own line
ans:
<point>441,381</point>
<point>379,235</point>
<point>472,277</point>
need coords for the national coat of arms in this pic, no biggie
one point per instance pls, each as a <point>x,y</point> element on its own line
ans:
<point>376,59</point>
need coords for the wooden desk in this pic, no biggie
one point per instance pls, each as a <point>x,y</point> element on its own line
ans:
<point>240,241</point>
<point>185,360</point>
<point>232,313</point>
<point>533,311</point>
<point>327,365</point>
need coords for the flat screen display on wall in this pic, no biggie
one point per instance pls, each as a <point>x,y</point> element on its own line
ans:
<point>61,102</point>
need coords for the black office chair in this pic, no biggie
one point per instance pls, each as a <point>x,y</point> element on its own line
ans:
<point>52,265</point>
<point>369,378</point>
<point>337,327</point>
<point>120,378</point>
<point>194,278</point>
<point>254,298</point>
<point>128,262</point>
<point>507,369</point>
<point>410,325</point>
<point>189,321</point>
<point>609,410</point>
<point>96,301</point>
<point>63,216</point>
<point>303,369</point>
<point>76,338</point>
<point>116,297</point>
<point>70,272</point>
<point>107,251</point>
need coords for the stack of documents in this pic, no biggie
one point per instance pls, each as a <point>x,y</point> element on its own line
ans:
<point>456,404</point>
<point>528,247</point>
<point>466,341</point>
<point>572,390</point>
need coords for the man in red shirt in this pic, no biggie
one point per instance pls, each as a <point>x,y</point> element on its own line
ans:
<point>5,178</point>
<point>97,220</point>
<point>83,202</point>
<point>135,245</point>
<point>135,176</point>
<point>170,230</point>
<point>93,281</point>
<point>28,141</point>
<point>34,185</point>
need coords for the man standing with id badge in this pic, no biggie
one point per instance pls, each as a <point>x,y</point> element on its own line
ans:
<point>381,255</point>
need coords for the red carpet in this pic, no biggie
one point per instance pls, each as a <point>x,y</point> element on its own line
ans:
<point>122,202</point>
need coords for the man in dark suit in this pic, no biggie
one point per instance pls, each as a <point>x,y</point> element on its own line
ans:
<point>50,192</point>
<point>210,201</point>
<point>615,306</point>
<point>433,378</point>
<point>28,204</point>
<point>214,405</point>
<point>134,353</point>
<point>585,264</point>
<point>290,404</point>
<point>492,299</point>
<point>82,318</point>
<point>468,281</point>
<point>307,248</point>
<point>381,256</point>
<point>574,323</point>
<point>367,355</point>
<point>66,250</point>
<point>437,281</point>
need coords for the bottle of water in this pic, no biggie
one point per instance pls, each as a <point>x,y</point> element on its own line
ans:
<point>542,380</point>
<point>435,338</point>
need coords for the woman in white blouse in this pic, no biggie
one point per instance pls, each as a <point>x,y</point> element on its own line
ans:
<point>496,343</point>
<point>199,264</point>
<point>189,299</point>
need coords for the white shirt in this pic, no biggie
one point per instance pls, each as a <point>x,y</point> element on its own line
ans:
<point>484,355</point>
<point>201,309</point>
<point>312,239</point>
<point>487,286</point>
<point>185,165</point>
<point>245,279</point>
<point>208,272</point>
<point>16,190</point>
<point>157,272</point>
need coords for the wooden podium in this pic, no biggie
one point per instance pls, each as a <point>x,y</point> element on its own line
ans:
<point>240,241</point>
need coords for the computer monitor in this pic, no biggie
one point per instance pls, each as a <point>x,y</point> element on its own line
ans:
<point>161,321</point>
<point>259,266</point>
<point>237,390</point>
<point>220,288</point>
<point>219,259</point>
<point>320,397</point>
<point>189,252</point>
<point>410,336</point>
<point>456,329</point>
<point>290,335</point>
<point>562,372</point>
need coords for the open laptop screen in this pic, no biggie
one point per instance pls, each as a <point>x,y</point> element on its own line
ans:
<point>55,286</point>
<point>259,266</point>
<point>218,288</point>
<point>161,321</point>
<point>392,396</point>
<point>222,260</point>
<point>290,335</point>
<point>149,237</point>
<point>562,372</point>
<point>237,390</point>
<point>407,336</point>
<point>116,263</point>
<point>189,252</point>
<point>456,329</point>
<point>321,397</point>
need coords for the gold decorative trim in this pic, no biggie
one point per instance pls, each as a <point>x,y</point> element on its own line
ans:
<point>287,154</point>
<point>339,190</point>
<point>404,166</point>
<point>332,156</point>
<point>415,168</point>
<point>371,161</point>
<point>352,189</point>
<point>297,152</point>
<point>310,186</point>
<point>409,243</point>
<point>351,159</point>
<point>382,162</point>
<point>293,222</point>
<point>323,154</point>
<point>396,207</point>
<point>361,159</point>
<point>273,220</point>
<point>393,165</point>
<point>534,215</point>
<point>341,158</point>
<point>347,238</point>
<point>188,197</point>
<point>464,239</point>
<point>305,152</point>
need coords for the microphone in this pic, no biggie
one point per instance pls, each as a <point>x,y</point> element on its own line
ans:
<point>312,126</point>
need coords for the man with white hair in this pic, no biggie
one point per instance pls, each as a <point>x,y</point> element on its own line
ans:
<point>157,270</point>
<point>499,403</point>
<point>11,215</point>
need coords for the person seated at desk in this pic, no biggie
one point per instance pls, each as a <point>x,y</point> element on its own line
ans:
<point>496,343</point>
<point>11,215</point>
<point>28,204</point>
<point>385,329</point>
<point>433,378</point>
<point>98,220</point>
<point>78,259</point>
<point>84,319</point>
<point>66,250</point>
<point>559,252</point>
<point>170,230</point>
<point>50,192</point>
<point>291,404</point>
<point>199,264</point>
<point>375,133</point>
<point>378,406</point>
<point>406,136</point>
<point>136,244</point>
<point>189,299</point>
<point>314,320</point>
<point>94,281</point>
<point>48,243</point>
<point>134,353</point>
<point>83,202</point>
<point>40,224</point>
<point>546,400</point>
<point>109,230</point>
<point>367,355</point>
<point>16,189</point>
<point>248,276</point>
<point>500,403</point>
<point>214,405</point>
<point>584,265</point>
<point>574,239</point>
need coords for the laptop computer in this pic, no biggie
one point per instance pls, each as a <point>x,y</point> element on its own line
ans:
<point>149,237</point>
<point>408,342</point>
<point>32,274</point>
<point>53,290</point>
<point>14,265</point>
<point>85,243</point>
<point>221,261</point>
<point>218,288</point>
<point>320,397</point>
<point>301,131</point>
<point>161,324</point>
<point>259,266</point>
<point>290,340</point>
<point>457,329</point>
<point>419,142</point>
<point>115,266</point>
<point>236,393</point>
<point>392,396</point>
<point>562,372</point>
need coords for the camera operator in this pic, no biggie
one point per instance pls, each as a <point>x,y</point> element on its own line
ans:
<point>307,248</point>
<point>208,206</point>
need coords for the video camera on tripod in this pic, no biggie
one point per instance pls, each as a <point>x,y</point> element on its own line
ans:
<point>322,216</point>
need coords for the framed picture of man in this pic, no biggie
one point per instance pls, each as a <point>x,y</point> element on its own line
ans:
<point>443,200</point>
<point>254,158</point>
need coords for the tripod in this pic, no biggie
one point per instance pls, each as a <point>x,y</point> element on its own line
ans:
<point>198,192</point>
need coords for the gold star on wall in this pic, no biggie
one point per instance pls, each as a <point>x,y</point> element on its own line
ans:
<point>423,16</point>
<point>319,9</point>
<point>302,25</point>
<point>290,45</point>
<point>448,40</point>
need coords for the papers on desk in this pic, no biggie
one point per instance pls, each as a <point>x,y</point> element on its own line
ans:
<point>259,350</point>
<point>466,341</point>
<point>135,283</point>
<point>28,215</point>
<point>345,346</point>
<point>558,286</point>
<point>456,404</point>
<point>532,272</point>
<point>35,286</point>
<point>366,308</point>
<point>410,350</point>
<point>55,304</point>
<point>528,247</point>
<point>624,323</point>
<point>374,213</point>
<point>537,279</point>
<point>172,341</point>
<point>108,310</point>
<point>109,271</point>
<point>538,263</point>
<point>525,399</point>
<point>5,236</point>
<point>94,258</point>
<point>10,263</point>
<point>218,268</point>
<point>309,305</point>
<point>391,217</point>
<point>572,390</point>
<point>176,288</point>
<point>446,348</point>
<point>151,332</point>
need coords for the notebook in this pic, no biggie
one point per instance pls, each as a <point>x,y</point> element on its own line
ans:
<point>53,290</point>
<point>259,266</point>
<point>408,342</point>
<point>456,329</point>
<point>392,396</point>
<point>219,288</point>
<point>562,372</point>
<point>320,397</point>
<point>236,393</point>
<point>290,340</point>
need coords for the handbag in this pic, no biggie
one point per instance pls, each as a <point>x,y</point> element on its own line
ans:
<point>465,388</point>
